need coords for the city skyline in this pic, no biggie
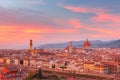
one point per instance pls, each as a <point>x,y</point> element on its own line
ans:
<point>50,21</point>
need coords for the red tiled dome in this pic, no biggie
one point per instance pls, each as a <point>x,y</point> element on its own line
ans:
<point>86,44</point>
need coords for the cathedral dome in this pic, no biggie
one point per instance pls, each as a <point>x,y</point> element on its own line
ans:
<point>86,44</point>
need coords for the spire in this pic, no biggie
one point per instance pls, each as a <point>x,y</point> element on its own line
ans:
<point>87,39</point>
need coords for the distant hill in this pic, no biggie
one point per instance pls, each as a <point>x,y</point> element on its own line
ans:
<point>113,44</point>
<point>95,44</point>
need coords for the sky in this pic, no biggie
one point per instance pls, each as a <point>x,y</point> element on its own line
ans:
<point>54,21</point>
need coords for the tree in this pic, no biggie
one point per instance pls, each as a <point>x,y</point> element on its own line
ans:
<point>39,74</point>
<point>30,75</point>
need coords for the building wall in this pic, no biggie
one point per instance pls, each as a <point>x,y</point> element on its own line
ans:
<point>26,62</point>
<point>8,61</point>
<point>118,69</point>
<point>99,68</point>
<point>16,61</point>
<point>33,62</point>
<point>89,66</point>
<point>1,60</point>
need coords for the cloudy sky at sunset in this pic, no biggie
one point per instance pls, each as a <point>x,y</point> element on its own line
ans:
<point>53,21</point>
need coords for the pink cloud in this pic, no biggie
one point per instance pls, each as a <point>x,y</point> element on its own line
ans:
<point>104,36</point>
<point>76,9</point>
<point>101,15</point>
<point>78,25</point>
<point>17,27</point>
<point>75,23</point>
<point>69,31</point>
<point>16,33</point>
<point>104,17</point>
<point>102,30</point>
<point>83,9</point>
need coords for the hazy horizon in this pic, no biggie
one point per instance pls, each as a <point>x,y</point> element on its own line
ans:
<point>37,44</point>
